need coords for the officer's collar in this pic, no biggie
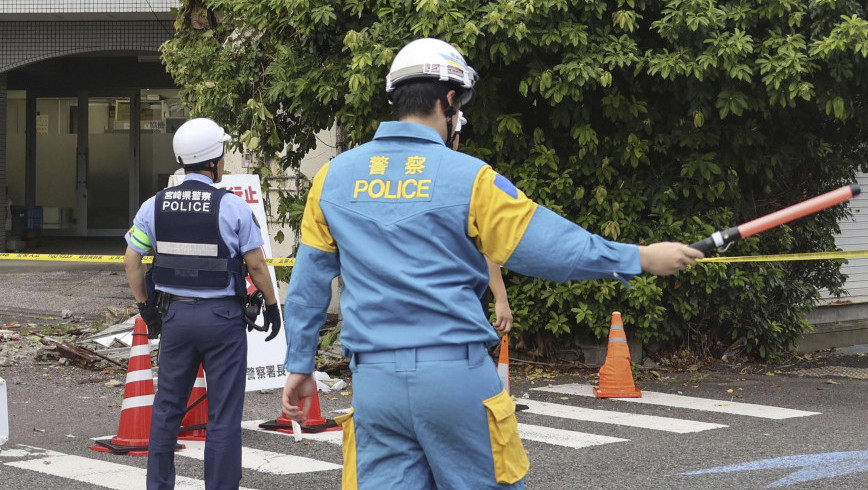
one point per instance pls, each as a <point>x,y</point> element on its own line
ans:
<point>198,177</point>
<point>391,129</point>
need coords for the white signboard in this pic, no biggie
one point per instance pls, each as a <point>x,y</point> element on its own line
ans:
<point>264,359</point>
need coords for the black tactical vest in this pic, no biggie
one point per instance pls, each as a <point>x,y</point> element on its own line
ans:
<point>190,252</point>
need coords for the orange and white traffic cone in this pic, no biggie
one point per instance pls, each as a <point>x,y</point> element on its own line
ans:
<point>315,422</point>
<point>503,369</point>
<point>503,362</point>
<point>616,375</point>
<point>135,424</point>
<point>196,420</point>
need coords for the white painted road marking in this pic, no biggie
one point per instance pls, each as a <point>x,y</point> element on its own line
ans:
<point>807,467</point>
<point>264,461</point>
<point>667,424</point>
<point>86,470</point>
<point>548,435</point>
<point>122,477</point>
<point>561,437</point>
<point>689,402</point>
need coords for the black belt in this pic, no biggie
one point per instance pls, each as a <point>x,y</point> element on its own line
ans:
<point>172,297</point>
<point>188,299</point>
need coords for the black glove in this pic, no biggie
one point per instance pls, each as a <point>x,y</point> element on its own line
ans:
<point>252,306</point>
<point>151,315</point>
<point>272,320</point>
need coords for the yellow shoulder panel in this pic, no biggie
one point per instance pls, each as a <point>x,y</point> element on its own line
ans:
<point>499,215</point>
<point>314,229</point>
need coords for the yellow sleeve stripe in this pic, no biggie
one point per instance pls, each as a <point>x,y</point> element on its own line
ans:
<point>314,229</point>
<point>140,238</point>
<point>497,219</point>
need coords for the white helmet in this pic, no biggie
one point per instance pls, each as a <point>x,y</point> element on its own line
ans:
<point>199,140</point>
<point>434,59</point>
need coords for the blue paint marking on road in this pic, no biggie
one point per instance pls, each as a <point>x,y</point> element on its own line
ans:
<point>813,466</point>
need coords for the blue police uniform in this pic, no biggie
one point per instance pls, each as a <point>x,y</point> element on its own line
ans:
<point>403,219</point>
<point>199,234</point>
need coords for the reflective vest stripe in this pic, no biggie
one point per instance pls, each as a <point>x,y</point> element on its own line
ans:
<point>180,248</point>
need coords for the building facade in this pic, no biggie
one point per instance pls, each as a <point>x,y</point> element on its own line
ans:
<point>87,112</point>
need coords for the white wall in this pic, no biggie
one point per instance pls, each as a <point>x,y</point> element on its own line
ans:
<point>854,236</point>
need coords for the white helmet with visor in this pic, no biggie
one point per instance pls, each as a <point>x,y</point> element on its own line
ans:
<point>433,59</point>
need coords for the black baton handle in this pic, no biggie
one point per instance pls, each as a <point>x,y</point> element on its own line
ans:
<point>710,243</point>
<point>705,245</point>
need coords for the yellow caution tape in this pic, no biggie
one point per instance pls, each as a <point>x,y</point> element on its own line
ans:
<point>853,254</point>
<point>111,259</point>
<point>118,259</point>
<point>289,262</point>
<point>284,262</point>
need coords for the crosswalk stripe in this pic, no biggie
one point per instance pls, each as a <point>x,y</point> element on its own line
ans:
<point>264,461</point>
<point>106,474</point>
<point>333,436</point>
<point>690,402</point>
<point>548,435</point>
<point>561,437</point>
<point>654,422</point>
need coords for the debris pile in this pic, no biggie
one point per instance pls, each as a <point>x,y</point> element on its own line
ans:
<point>93,346</point>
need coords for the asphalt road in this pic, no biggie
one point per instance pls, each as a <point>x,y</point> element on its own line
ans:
<point>60,408</point>
<point>50,288</point>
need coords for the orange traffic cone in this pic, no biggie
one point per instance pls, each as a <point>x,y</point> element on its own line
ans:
<point>135,423</point>
<point>315,422</point>
<point>616,376</point>
<point>196,419</point>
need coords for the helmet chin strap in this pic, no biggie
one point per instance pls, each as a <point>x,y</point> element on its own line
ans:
<point>202,167</point>
<point>449,111</point>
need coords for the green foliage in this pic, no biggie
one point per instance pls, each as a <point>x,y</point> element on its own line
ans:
<point>640,120</point>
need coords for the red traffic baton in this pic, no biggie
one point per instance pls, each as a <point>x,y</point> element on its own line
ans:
<point>720,239</point>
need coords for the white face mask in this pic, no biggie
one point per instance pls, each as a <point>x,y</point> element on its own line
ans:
<point>461,122</point>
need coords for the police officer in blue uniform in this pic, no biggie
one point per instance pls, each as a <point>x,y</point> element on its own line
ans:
<point>203,238</point>
<point>407,222</point>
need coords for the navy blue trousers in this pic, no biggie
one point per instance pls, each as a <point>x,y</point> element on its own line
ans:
<point>210,332</point>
